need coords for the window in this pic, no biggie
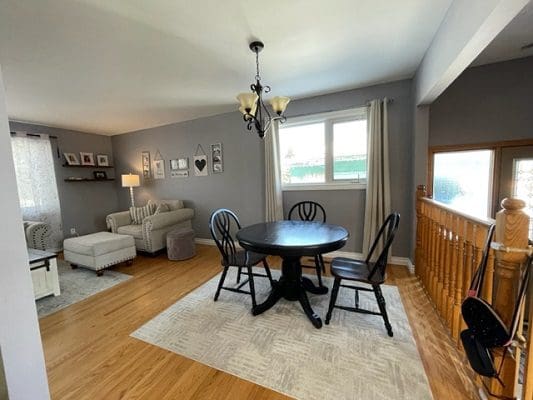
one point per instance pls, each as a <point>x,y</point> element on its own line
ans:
<point>325,151</point>
<point>523,186</point>
<point>463,180</point>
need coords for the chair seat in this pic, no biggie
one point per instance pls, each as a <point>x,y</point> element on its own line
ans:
<point>239,259</point>
<point>355,270</point>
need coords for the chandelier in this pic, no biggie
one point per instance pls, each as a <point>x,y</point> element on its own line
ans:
<point>255,112</point>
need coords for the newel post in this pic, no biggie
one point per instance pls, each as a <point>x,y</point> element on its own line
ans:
<point>420,193</point>
<point>512,225</point>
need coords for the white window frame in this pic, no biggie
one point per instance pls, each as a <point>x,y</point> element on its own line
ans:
<point>329,119</point>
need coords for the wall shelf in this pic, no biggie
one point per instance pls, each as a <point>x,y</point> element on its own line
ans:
<point>87,166</point>
<point>89,180</point>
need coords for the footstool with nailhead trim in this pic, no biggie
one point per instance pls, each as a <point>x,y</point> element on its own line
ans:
<point>98,251</point>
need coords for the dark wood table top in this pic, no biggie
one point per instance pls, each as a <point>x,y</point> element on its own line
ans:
<point>292,238</point>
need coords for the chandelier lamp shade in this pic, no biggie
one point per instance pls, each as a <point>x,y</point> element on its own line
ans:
<point>255,113</point>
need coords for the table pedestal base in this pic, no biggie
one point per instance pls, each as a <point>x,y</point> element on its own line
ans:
<point>292,286</point>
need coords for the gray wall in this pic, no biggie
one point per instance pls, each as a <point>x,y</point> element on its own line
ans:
<point>485,104</point>
<point>84,205</point>
<point>240,187</point>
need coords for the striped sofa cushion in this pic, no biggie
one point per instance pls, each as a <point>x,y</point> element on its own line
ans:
<point>139,213</point>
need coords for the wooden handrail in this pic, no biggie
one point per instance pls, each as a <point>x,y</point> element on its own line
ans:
<point>449,246</point>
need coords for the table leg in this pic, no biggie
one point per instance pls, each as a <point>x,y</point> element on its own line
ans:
<point>292,286</point>
<point>308,285</point>
<point>313,317</point>
<point>273,297</point>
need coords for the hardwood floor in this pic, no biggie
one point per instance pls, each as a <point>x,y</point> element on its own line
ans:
<point>90,355</point>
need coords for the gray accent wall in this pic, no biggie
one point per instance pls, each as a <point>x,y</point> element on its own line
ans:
<point>84,205</point>
<point>241,186</point>
<point>485,104</point>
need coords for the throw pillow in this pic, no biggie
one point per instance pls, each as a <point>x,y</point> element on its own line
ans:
<point>139,213</point>
<point>162,208</point>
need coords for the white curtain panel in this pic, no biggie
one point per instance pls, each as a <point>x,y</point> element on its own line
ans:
<point>37,186</point>
<point>274,198</point>
<point>378,203</point>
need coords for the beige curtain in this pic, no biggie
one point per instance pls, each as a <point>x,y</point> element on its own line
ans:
<point>378,204</point>
<point>274,200</point>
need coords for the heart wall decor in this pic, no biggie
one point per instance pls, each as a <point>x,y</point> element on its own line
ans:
<point>200,165</point>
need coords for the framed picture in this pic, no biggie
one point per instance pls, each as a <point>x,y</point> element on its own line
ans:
<point>145,160</point>
<point>183,163</point>
<point>217,158</point>
<point>179,174</point>
<point>102,160</point>
<point>174,165</point>
<point>99,175</point>
<point>71,159</point>
<point>159,169</point>
<point>87,158</point>
<point>200,165</point>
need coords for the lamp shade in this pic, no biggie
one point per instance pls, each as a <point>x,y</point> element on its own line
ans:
<point>131,180</point>
<point>248,101</point>
<point>279,104</point>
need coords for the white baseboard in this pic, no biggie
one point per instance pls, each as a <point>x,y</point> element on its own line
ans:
<point>405,261</point>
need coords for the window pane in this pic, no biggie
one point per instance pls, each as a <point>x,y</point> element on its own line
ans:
<point>349,150</point>
<point>462,180</point>
<point>302,154</point>
<point>523,186</point>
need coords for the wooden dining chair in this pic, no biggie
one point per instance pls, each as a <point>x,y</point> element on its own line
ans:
<point>311,211</point>
<point>221,224</point>
<point>367,272</point>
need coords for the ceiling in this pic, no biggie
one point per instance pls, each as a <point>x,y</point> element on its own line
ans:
<point>111,67</point>
<point>508,44</point>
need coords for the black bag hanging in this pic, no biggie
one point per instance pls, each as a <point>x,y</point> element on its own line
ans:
<point>480,317</point>
<point>486,330</point>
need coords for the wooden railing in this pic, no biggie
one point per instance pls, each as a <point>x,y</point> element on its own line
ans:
<point>449,245</point>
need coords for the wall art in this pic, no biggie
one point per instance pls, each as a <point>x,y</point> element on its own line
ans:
<point>87,158</point>
<point>71,158</point>
<point>146,166</point>
<point>217,158</point>
<point>179,174</point>
<point>159,166</point>
<point>102,160</point>
<point>200,165</point>
<point>200,162</point>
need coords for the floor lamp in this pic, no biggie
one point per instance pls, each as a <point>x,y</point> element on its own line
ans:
<point>131,181</point>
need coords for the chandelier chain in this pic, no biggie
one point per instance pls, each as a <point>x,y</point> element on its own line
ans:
<point>257,76</point>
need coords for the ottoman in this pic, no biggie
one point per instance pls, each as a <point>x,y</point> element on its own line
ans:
<point>98,251</point>
<point>180,244</point>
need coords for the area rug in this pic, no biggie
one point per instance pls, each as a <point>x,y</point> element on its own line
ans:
<point>76,285</point>
<point>352,358</point>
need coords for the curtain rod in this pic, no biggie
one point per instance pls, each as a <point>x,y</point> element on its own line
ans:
<point>34,135</point>
<point>367,104</point>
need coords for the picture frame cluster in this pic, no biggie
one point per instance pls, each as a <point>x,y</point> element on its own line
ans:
<point>87,159</point>
<point>180,167</point>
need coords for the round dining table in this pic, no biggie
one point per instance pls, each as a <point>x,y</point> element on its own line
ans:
<point>292,240</point>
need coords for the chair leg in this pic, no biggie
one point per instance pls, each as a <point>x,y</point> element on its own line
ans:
<point>318,268</point>
<point>382,308</point>
<point>322,263</point>
<point>239,275</point>
<point>267,270</point>
<point>252,286</point>
<point>221,282</point>
<point>333,299</point>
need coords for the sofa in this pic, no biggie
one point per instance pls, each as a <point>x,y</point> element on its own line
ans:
<point>37,234</point>
<point>150,236</point>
